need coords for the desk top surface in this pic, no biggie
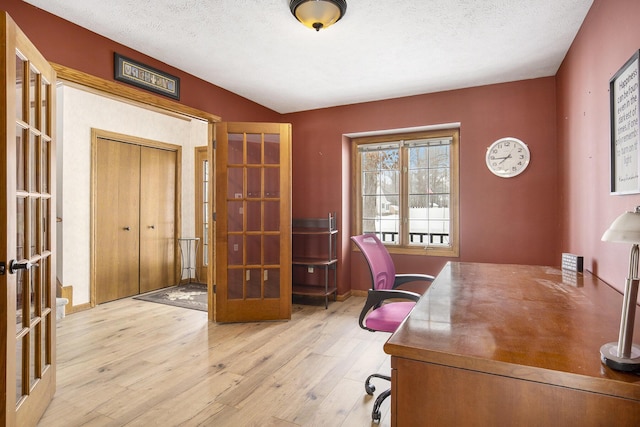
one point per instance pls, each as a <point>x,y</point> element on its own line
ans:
<point>529,322</point>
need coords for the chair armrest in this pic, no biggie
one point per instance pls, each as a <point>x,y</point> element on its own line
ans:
<point>406,278</point>
<point>376,297</point>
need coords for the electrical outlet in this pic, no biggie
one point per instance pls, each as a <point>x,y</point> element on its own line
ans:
<point>309,269</point>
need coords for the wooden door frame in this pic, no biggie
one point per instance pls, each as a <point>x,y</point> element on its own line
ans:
<point>142,142</point>
<point>150,101</point>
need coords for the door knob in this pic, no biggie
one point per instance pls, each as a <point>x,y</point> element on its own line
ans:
<point>15,266</point>
<point>153,227</point>
<point>127,228</point>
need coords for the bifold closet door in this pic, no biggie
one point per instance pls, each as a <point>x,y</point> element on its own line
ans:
<point>116,216</point>
<point>157,218</point>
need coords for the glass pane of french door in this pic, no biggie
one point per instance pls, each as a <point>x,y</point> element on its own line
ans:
<point>33,231</point>
<point>253,202</point>
<point>205,212</point>
<point>204,181</point>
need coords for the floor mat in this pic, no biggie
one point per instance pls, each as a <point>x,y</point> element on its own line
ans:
<point>189,295</point>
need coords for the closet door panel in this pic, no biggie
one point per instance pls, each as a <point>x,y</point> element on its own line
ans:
<point>117,202</point>
<point>157,219</point>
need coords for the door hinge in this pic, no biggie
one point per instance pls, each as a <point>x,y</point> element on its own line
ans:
<point>214,288</point>
<point>3,268</point>
<point>215,216</point>
<point>215,144</point>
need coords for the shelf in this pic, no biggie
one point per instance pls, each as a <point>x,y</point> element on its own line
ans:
<point>317,225</point>
<point>301,231</point>
<point>315,245</point>
<point>312,262</point>
<point>312,290</point>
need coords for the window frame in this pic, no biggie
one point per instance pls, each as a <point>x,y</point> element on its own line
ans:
<point>453,249</point>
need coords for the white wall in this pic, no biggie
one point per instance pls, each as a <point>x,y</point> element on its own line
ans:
<point>78,111</point>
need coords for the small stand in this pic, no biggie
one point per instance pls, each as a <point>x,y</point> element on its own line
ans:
<point>188,251</point>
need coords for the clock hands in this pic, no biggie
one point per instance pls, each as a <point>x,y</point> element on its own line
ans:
<point>504,159</point>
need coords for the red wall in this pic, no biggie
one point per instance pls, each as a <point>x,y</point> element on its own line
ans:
<point>561,203</point>
<point>609,36</point>
<point>67,44</point>
<point>501,220</point>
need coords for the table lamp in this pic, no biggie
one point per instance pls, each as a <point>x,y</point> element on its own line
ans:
<point>624,355</point>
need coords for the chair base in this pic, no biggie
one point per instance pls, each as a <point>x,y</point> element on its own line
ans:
<point>370,389</point>
<point>375,413</point>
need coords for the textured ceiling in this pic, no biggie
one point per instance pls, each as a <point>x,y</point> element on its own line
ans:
<point>380,49</point>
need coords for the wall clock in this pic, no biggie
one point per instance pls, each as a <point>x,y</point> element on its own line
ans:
<point>508,157</point>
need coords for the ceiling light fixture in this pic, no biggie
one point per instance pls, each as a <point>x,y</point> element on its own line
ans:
<point>318,14</point>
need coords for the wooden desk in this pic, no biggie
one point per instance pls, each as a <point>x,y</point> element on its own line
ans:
<point>514,345</point>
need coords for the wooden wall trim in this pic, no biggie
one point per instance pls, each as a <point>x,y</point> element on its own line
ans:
<point>129,93</point>
<point>67,292</point>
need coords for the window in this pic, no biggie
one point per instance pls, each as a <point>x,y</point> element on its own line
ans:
<point>407,191</point>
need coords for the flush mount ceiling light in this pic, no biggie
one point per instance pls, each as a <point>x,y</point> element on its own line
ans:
<point>318,14</point>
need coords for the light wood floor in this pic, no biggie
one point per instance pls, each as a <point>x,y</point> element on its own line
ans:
<point>136,363</point>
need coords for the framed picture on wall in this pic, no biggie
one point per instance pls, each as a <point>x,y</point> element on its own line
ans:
<point>145,77</point>
<point>624,93</point>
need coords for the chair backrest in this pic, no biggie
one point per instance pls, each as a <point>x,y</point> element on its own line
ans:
<point>383,272</point>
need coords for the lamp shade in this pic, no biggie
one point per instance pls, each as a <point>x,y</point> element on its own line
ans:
<point>318,14</point>
<point>625,228</point>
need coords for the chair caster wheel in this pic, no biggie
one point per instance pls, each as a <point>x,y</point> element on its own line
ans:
<point>369,388</point>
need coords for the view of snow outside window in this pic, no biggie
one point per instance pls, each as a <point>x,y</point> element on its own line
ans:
<point>424,202</point>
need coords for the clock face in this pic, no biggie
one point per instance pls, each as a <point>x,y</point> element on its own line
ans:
<point>508,157</point>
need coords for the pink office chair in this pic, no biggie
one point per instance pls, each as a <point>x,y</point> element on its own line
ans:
<point>378,315</point>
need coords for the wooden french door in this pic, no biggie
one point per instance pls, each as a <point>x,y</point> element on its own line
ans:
<point>27,230</point>
<point>253,224</point>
